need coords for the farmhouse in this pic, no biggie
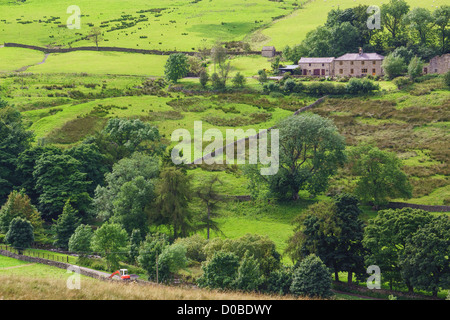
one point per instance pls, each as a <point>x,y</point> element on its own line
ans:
<point>349,65</point>
<point>439,64</point>
<point>358,64</point>
<point>317,66</point>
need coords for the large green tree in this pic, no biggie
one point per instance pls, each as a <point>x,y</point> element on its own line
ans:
<point>58,178</point>
<point>14,139</point>
<point>425,260</point>
<point>65,226</point>
<point>128,192</point>
<point>441,18</point>
<point>209,196</point>
<point>172,203</point>
<point>110,241</point>
<point>177,67</point>
<point>310,151</point>
<point>386,237</point>
<point>380,175</point>
<point>392,14</point>
<point>20,234</point>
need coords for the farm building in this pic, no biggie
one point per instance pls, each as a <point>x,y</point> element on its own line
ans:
<point>439,64</point>
<point>268,52</point>
<point>358,64</point>
<point>317,66</point>
<point>289,68</point>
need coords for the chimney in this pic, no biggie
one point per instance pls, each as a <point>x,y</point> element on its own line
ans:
<point>361,51</point>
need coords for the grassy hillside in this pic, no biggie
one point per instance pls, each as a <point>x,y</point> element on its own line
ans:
<point>24,281</point>
<point>292,29</point>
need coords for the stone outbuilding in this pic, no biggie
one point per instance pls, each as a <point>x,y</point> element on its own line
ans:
<point>268,52</point>
<point>358,65</point>
<point>439,64</point>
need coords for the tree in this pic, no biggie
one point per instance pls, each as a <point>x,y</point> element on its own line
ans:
<point>204,78</point>
<point>311,278</point>
<point>393,66</point>
<point>173,194</point>
<point>65,226</point>
<point>248,276</point>
<point>218,56</point>
<point>128,192</point>
<point>239,80</point>
<point>80,241</point>
<point>110,240</point>
<point>194,247</point>
<point>415,68</point>
<point>58,178</point>
<point>311,149</point>
<point>20,234</point>
<point>173,257</point>
<point>19,205</point>
<point>209,196</point>
<point>392,14</point>
<point>176,67</point>
<point>419,21</point>
<point>380,175</point>
<point>133,246</point>
<point>14,139</point>
<point>262,76</point>
<point>195,66</point>
<point>441,18</point>
<point>424,261</point>
<point>333,231</point>
<point>95,35</point>
<point>220,272</point>
<point>134,136</point>
<point>93,164</point>
<point>279,281</point>
<point>149,253</point>
<point>386,236</point>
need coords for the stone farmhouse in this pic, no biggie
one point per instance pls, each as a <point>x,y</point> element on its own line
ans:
<point>349,65</point>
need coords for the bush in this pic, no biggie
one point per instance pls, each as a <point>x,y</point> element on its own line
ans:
<point>402,82</point>
<point>248,275</point>
<point>220,272</point>
<point>361,86</point>
<point>311,278</point>
<point>239,80</point>
<point>394,66</point>
<point>447,79</point>
<point>194,247</point>
<point>20,234</point>
<point>279,281</point>
<point>415,68</point>
<point>204,78</point>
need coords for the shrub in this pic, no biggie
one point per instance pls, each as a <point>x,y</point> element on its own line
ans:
<point>194,247</point>
<point>239,80</point>
<point>402,82</point>
<point>394,66</point>
<point>204,78</point>
<point>248,275</point>
<point>20,234</point>
<point>311,278</point>
<point>173,257</point>
<point>415,68</point>
<point>447,78</point>
<point>220,272</point>
<point>361,86</point>
<point>279,281</point>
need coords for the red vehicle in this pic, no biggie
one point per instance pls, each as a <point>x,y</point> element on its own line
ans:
<point>122,273</point>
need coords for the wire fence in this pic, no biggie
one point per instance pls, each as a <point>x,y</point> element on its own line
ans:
<point>36,253</point>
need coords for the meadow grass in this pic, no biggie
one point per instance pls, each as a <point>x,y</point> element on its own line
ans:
<point>12,59</point>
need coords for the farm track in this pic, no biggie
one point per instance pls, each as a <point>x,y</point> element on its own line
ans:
<point>14,267</point>
<point>32,65</point>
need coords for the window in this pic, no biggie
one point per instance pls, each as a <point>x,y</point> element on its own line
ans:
<point>323,64</point>
<point>374,71</point>
<point>351,71</point>
<point>341,71</point>
<point>340,63</point>
<point>351,62</point>
<point>374,62</point>
<point>362,62</point>
<point>364,70</point>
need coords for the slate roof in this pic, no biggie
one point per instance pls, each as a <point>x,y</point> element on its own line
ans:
<point>360,57</point>
<point>316,60</point>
